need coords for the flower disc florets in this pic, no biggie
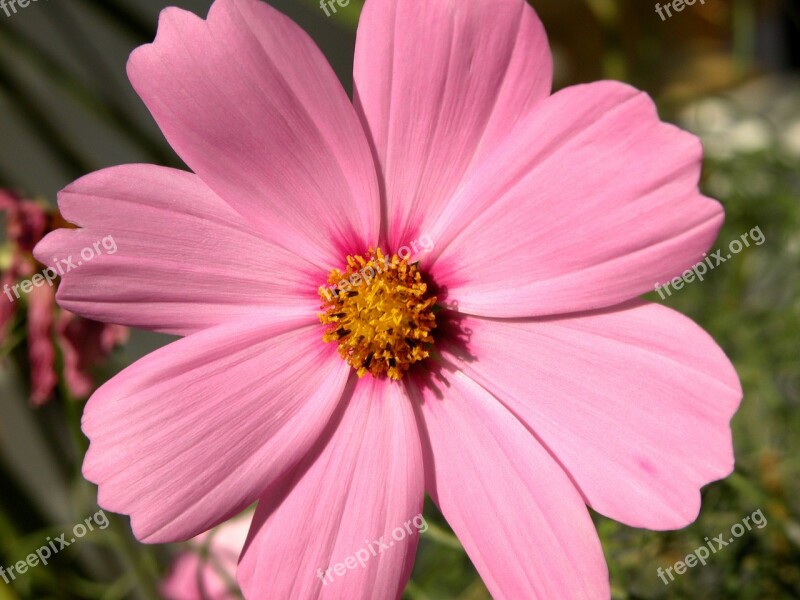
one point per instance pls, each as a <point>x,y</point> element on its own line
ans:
<point>380,313</point>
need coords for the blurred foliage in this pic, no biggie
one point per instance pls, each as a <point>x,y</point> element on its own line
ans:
<point>704,66</point>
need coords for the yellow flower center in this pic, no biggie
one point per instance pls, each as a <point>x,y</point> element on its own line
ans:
<point>379,312</point>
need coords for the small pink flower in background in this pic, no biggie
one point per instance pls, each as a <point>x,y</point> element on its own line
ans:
<point>41,351</point>
<point>207,570</point>
<point>84,344</point>
<point>26,224</point>
<point>512,374</point>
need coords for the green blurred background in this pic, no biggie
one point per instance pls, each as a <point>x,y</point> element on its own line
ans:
<point>727,70</point>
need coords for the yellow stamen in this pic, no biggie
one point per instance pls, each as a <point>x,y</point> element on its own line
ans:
<point>379,313</point>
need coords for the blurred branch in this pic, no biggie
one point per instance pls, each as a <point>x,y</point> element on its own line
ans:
<point>6,180</point>
<point>11,344</point>
<point>109,110</point>
<point>124,19</point>
<point>134,556</point>
<point>607,14</point>
<point>80,42</point>
<point>744,32</point>
<point>42,125</point>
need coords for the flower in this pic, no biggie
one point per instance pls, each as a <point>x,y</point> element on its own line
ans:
<point>535,385</point>
<point>207,570</point>
<point>84,344</point>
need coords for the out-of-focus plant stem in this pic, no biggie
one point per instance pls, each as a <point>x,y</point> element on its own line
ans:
<point>607,14</point>
<point>744,32</point>
<point>131,555</point>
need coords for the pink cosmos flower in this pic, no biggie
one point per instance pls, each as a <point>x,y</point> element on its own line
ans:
<point>511,374</point>
<point>207,570</point>
<point>83,344</point>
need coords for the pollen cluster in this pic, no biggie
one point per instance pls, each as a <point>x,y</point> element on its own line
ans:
<point>379,313</point>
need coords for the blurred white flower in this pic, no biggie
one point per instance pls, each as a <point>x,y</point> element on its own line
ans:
<point>790,139</point>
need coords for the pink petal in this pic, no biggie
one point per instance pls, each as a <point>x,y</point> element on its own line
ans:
<point>251,105</point>
<point>634,403</point>
<point>193,433</point>
<point>519,517</point>
<point>168,254</point>
<point>364,484</point>
<point>439,90</point>
<point>591,202</point>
